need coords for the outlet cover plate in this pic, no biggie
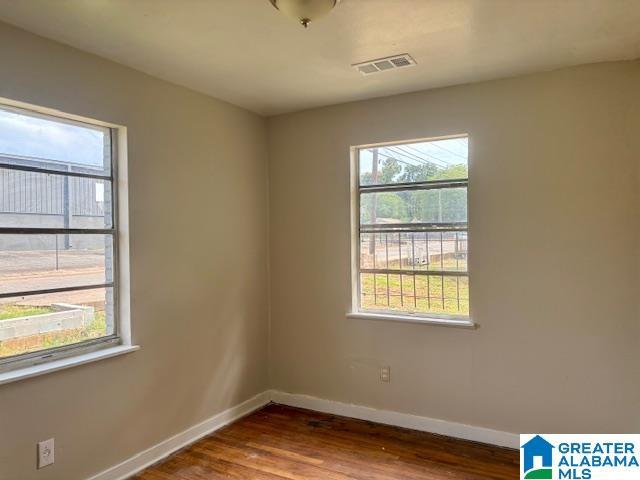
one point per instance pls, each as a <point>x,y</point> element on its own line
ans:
<point>46,453</point>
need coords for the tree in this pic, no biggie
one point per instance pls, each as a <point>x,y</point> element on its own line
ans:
<point>425,206</point>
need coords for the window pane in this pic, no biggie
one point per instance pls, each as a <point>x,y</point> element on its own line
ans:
<point>435,251</point>
<point>444,205</point>
<point>414,293</point>
<point>53,144</point>
<point>38,322</point>
<point>41,200</point>
<point>414,162</point>
<point>41,262</point>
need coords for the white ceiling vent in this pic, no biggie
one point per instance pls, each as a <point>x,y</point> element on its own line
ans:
<point>384,64</point>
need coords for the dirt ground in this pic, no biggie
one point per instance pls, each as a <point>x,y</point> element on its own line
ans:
<point>37,270</point>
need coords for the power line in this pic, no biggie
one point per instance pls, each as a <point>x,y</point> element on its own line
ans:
<point>397,159</point>
<point>407,155</point>
<point>442,163</point>
<point>447,150</point>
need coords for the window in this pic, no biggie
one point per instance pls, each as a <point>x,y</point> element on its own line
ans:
<point>58,237</point>
<point>411,238</point>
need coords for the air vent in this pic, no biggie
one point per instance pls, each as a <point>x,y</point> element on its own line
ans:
<point>384,64</point>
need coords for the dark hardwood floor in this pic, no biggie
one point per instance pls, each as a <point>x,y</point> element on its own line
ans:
<point>279,442</point>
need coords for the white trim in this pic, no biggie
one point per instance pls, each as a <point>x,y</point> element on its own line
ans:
<point>355,227</point>
<point>148,457</point>
<point>63,363</point>
<point>462,321</point>
<point>387,417</point>
<point>436,138</point>
<point>154,454</point>
<point>31,365</point>
<point>441,321</point>
<point>41,110</point>
<point>123,285</point>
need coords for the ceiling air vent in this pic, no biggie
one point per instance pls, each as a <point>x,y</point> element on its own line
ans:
<point>384,64</point>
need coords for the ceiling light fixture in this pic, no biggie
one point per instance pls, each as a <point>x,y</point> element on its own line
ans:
<point>304,10</point>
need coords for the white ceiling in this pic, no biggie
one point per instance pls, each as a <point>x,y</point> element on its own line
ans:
<point>246,52</point>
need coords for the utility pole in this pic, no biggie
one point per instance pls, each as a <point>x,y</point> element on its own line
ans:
<point>374,180</point>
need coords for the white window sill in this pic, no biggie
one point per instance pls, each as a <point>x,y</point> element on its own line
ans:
<point>439,321</point>
<point>61,364</point>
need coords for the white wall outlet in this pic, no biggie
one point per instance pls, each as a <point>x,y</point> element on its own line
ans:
<point>46,453</point>
<point>385,374</point>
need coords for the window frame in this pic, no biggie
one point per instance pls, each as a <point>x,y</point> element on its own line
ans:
<point>119,341</point>
<point>357,312</point>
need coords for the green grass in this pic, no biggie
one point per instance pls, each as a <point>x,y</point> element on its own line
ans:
<point>16,311</point>
<point>96,329</point>
<point>423,294</point>
<point>419,294</point>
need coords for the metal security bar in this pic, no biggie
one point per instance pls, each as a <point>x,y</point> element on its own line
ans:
<point>413,227</point>
<point>36,188</point>
<point>429,185</point>
<point>418,267</point>
<point>39,191</point>
<point>36,165</point>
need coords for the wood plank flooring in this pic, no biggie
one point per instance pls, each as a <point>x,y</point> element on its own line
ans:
<point>279,442</point>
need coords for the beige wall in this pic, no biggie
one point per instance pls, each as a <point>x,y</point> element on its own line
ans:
<point>554,226</point>
<point>555,259</point>
<point>197,171</point>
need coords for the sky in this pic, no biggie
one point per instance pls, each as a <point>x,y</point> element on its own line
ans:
<point>31,136</point>
<point>442,153</point>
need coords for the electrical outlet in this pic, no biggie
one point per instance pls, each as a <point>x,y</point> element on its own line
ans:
<point>46,453</point>
<point>385,374</point>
